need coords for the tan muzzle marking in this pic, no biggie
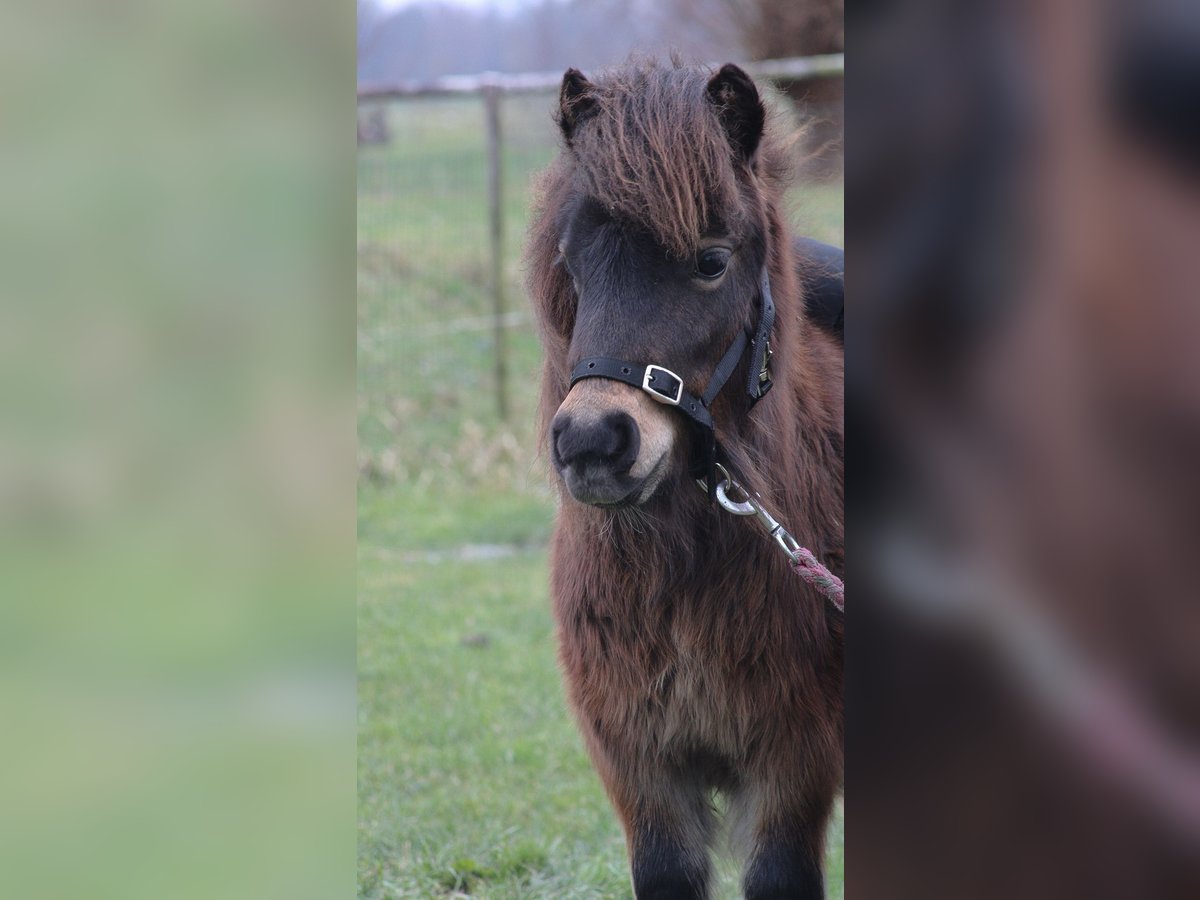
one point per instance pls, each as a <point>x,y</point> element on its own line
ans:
<point>658,426</point>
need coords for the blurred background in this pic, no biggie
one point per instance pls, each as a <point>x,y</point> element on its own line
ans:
<point>471,776</point>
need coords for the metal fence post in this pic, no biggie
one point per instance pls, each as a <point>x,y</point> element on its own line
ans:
<point>491,104</point>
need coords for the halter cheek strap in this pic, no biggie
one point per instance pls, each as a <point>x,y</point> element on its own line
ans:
<point>666,387</point>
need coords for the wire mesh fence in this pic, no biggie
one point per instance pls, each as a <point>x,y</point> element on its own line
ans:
<point>447,354</point>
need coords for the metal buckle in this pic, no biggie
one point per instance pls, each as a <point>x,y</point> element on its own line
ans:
<point>765,375</point>
<point>658,395</point>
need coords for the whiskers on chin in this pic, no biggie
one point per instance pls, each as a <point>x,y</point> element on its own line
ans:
<point>634,518</point>
<point>624,520</point>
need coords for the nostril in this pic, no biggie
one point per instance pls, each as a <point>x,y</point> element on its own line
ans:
<point>622,441</point>
<point>557,429</point>
<point>612,442</point>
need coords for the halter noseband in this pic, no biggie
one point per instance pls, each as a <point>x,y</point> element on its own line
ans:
<point>666,387</point>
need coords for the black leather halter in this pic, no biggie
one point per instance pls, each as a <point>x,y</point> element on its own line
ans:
<point>666,387</point>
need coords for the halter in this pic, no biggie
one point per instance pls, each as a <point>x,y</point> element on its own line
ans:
<point>666,387</point>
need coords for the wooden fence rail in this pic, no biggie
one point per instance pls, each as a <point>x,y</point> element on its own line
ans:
<point>800,68</point>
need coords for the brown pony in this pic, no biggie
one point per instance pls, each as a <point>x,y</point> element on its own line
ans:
<point>696,662</point>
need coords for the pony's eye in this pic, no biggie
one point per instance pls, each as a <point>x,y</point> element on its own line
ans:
<point>711,262</point>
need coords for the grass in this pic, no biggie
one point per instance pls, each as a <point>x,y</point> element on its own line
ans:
<point>472,779</point>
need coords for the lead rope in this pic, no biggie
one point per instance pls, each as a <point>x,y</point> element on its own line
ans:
<point>801,559</point>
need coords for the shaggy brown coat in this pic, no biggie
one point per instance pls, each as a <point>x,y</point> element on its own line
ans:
<point>694,659</point>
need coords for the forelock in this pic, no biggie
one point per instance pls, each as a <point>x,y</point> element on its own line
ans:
<point>654,154</point>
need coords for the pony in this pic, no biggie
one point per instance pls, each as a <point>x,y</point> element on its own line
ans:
<point>701,671</point>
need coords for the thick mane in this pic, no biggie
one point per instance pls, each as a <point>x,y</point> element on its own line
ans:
<point>654,152</point>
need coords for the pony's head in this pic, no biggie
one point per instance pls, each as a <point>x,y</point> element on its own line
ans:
<point>655,234</point>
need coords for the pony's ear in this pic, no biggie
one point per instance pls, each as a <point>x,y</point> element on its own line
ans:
<point>739,108</point>
<point>575,102</point>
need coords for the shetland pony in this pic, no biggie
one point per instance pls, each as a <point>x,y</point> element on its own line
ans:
<point>697,664</point>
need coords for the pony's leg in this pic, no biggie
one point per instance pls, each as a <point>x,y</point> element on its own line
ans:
<point>669,860</point>
<point>785,865</point>
<point>669,824</point>
<point>783,842</point>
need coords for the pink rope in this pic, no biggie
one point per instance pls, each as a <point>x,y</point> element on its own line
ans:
<point>807,567</point>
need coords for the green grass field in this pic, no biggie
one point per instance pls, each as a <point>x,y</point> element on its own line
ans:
<point>472,780</point>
